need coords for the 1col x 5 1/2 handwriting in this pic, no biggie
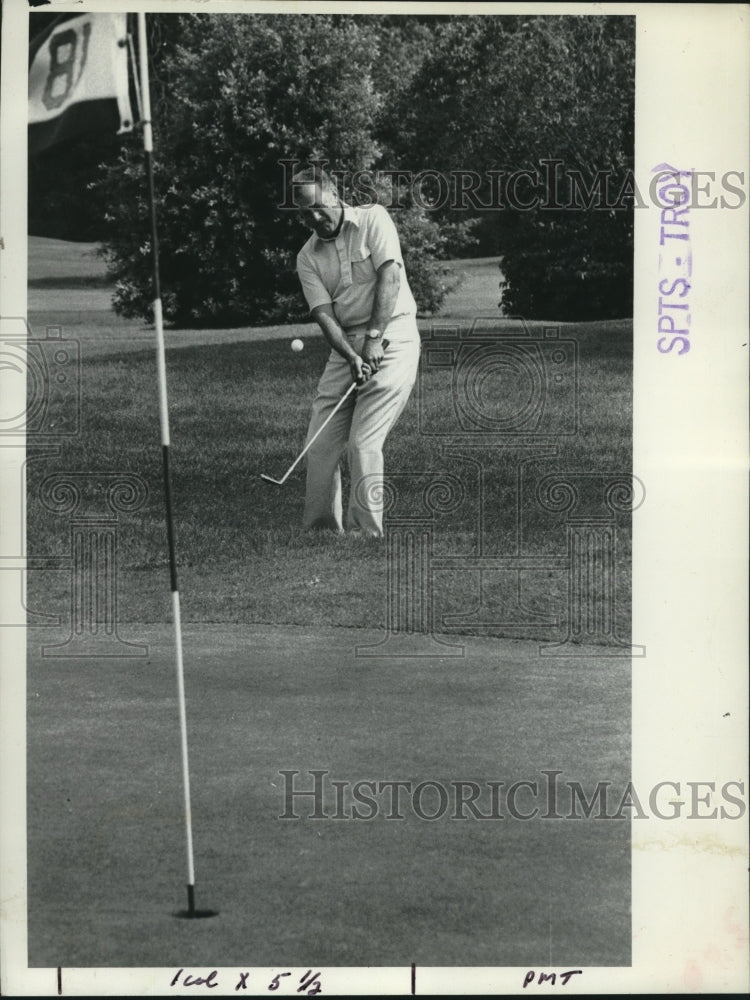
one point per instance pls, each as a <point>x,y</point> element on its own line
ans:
<point>309,983</point>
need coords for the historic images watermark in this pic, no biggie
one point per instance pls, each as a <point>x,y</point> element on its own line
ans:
<point>40,408</point>
<point>92,502</point>
<point>548,795</point>
<point>550,186</point>
<point>40,402</point>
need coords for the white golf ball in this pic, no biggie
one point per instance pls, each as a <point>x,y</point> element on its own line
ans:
<point>297,345</point>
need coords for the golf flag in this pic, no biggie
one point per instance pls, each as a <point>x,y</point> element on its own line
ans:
<point>78,79</point>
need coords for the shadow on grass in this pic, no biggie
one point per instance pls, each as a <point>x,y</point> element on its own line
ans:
<point>71,281</point>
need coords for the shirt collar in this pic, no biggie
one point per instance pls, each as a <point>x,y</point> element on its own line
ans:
<point>351,214</point>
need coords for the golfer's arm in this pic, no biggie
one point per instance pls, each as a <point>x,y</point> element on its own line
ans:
<point>326,320</point>
<point>386,293</point>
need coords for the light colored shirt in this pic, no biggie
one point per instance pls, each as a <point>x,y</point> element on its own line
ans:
<point>343,272</point>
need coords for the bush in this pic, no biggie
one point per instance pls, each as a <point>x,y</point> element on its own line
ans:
<point>241,93</point>
<point>508,93</point>
<point>569,266</point>
<point>235,96</point>
<point>425,245</point>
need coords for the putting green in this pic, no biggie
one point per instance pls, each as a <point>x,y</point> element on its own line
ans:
<point>106,854</point>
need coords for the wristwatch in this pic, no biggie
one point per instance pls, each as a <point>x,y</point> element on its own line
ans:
<point>373,334</point>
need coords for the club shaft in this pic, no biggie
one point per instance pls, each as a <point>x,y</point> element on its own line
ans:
<point>298,459</point>
<point>319,431</point>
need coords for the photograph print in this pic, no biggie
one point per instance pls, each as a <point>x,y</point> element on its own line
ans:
<point>329,490</point>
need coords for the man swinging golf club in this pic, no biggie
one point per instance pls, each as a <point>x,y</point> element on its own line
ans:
<point>352,276</point>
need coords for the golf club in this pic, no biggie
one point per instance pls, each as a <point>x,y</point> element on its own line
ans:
<point>298,459</point>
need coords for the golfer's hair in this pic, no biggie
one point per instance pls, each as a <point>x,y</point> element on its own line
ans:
<point>312,175</point>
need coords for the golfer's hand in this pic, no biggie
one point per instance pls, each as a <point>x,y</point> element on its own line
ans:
<point>361,372</point>
<point>372,354</point>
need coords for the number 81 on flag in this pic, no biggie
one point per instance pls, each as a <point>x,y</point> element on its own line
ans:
<point>78,79</point>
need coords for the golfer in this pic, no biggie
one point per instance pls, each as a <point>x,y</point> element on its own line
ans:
<point>352,275</point>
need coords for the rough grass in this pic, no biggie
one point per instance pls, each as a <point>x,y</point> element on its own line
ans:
<point>239,405</point>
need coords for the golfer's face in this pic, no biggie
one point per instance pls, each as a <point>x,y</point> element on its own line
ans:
<point>318,210</point>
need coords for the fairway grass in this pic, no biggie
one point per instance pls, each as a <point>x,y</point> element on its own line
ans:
<point>239,404</point>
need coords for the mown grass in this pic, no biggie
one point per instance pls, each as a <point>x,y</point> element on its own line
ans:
<point>239,405</point>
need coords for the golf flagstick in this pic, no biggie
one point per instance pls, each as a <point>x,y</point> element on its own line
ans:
<point>164,423</point>
<point>298,459</point>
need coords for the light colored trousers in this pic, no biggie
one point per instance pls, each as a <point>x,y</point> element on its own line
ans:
<point>358,429</point>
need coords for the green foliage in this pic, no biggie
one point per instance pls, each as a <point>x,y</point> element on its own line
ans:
<point>421,244</point>
<point>234,95</point>
<point>246,92</point>
<point>425,246</point>
<point>568,265</point>
<point>504,94</point>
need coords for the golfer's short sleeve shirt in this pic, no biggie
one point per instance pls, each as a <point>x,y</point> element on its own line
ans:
<point>343,272</point>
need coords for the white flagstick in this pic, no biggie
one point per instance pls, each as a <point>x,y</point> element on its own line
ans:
<point>164,421</point>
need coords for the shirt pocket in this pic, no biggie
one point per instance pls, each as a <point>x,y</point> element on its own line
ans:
<point>363,269</point>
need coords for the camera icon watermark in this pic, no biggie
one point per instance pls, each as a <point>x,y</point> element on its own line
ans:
<point>40,381</point>
<point>498,379</point>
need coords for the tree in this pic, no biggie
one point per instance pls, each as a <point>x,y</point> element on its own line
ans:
<point>507,93</point>
<point>239,95</point>
<point>235,98</point>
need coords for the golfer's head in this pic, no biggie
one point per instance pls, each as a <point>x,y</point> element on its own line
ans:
<point>317,200</point>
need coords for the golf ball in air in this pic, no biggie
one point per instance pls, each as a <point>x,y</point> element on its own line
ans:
<point>297,345</point>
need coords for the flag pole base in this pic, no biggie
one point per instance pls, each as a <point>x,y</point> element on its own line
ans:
<point>191,913</point>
